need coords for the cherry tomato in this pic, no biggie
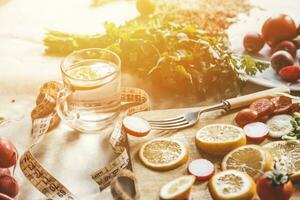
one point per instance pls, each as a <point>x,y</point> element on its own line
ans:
<point>4,171</point>
<point>279,28</point>
<point>245,116</point>
<point>263,107</point>
<point>9,186</point>
<point>281,59</point>
<point>253,42</point>
<point>5,197</point>
<point>8,154</point>
<point>282,104</point>
<point>286,46</point>
<point>290,73</point>
<point>267,191</point>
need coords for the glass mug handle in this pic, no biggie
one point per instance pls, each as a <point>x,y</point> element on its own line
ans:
<point>62,105</point>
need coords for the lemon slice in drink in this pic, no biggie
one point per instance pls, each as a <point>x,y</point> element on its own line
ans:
<point>219,139</point>
<point>288,154</point>
<point>87,76</point>
<point>252,159</point>
<point>231,185</point>
<point>178,189</point>
<point>163,154</point>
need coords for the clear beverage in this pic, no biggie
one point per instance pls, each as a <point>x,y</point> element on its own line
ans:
<point>94,93</point>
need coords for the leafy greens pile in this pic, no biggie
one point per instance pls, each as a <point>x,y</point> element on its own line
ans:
<point>174,56</point>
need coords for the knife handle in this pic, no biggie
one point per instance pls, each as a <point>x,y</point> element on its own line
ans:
<point>246,100</point>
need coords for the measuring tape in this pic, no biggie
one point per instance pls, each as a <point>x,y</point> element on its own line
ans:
<point>44,118</point>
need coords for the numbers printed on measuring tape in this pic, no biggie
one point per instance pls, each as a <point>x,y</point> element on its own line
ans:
<point>51,187</point>
<point>42,179</point>
<point>104,176</point>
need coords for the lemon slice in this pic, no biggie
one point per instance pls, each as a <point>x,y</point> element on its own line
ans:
<point>163,154</point>
<point>288,154</point>
<point>89,76</point>
<point>252,159</point>
<point>231,185</point>
<point>178,189</point>
<point>91,72</point>
<point>219,139</point>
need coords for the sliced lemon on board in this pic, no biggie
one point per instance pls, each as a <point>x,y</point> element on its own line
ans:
<point>163,154</point>
<point>178,189</point>
<point>219,139</point>
<point>288,154</point>
<point>231,185</point>
<point>252,159</point>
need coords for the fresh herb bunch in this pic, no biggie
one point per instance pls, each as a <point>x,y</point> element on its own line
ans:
<point>295,134</point>
<point>279,176</point>
<point>177,57</point>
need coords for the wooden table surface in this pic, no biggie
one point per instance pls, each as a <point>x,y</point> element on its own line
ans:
<point>70,156</point>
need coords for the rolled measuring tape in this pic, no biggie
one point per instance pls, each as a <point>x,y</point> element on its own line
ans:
<point>44,118</point>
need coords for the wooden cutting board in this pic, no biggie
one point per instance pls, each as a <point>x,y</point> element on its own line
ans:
<point>150,181</point>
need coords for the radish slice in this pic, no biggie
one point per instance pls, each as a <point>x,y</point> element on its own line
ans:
<point>201,168</point>
<point>256,131</point>
<point>136,126</point>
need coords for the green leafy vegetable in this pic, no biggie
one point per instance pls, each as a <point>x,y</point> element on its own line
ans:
<point>182,57</point>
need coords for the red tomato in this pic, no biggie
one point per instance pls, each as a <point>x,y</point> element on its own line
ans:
<point>4,171</point>
<point>245,116</point>
<point>281,59</point>
<point>263,107</point>
<point>286,46</point>
<point>267,191</point>
<point>253,42</point>
<point>264,118</point>
<point>5,197</point>
<point>9,186</point>
<point>290,73</point>
<point>279,28</point>
<point>8,153</point>
<point>282,104</point>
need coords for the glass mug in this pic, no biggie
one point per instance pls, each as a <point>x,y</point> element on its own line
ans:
<point>91,97</point>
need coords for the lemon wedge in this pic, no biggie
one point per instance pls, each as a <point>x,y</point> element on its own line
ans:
<point>178,189</point>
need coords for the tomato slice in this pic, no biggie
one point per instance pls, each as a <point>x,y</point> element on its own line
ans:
<point>295,108</point>
<point>282,104</point>
<point>245,116</point>
<point>263,107</point>
<point>201,168</point>
<point>264,118</point>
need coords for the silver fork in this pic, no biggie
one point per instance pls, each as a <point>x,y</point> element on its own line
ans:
<point>191,118</point>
